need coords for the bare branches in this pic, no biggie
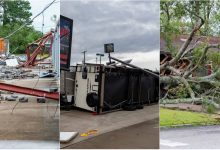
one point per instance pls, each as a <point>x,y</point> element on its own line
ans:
<point>169,79</point>
<point>185,45</point>
<point>176,71</point>
<point>185,82</point>
<point>192,48</point>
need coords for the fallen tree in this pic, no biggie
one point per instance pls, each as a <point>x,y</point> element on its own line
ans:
<point>197,88</point>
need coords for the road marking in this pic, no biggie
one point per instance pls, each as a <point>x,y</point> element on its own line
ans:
<point>172,143</point>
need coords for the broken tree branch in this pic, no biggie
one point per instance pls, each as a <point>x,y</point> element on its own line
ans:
<point>176,79</point>
<point>184,46</point>
<point>187,73</point>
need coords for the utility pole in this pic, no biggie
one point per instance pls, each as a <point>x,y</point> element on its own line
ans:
<point>84,68</point>
<point>84,57</point>
<point>100,57</point>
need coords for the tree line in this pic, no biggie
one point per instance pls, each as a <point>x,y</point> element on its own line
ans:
<point>16,13</point>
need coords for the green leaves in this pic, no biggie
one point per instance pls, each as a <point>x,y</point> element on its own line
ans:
<point>178,17</point>
<point>17,13</point>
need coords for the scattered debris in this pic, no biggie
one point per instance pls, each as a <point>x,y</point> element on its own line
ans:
<point>23,99</point>
<point>9,73</point>
<point>90,132</point>
<point>53,89</point>
<point>41,100</point>
<point>10,98</point>
<point>67,136</point>
<point>12,62</point>
<point>14,96</point>
<point>46,74</point>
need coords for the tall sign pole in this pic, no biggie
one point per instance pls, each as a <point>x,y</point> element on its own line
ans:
<point>109,48</point>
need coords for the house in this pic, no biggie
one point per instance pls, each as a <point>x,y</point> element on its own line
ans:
<point>178,41</point>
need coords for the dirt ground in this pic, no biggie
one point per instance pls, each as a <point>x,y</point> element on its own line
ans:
<point>182,106</point>
<point>29,121</point>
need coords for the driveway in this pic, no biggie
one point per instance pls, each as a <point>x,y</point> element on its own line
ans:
<point>204,137</point>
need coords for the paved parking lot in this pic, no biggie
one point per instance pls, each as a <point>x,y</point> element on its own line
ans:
<point>29,121</point>
<point>144,135</point>
<point>82,121</point>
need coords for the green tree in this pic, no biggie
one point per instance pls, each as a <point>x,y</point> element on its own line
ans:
<point>199,20</point>
<point>180,17</point>
<point>16,13</point>
<point>21,39</point>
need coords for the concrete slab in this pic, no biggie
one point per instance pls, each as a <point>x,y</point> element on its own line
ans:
<point>28,144</point>
<point>29,121</point>
<point>81,121</point>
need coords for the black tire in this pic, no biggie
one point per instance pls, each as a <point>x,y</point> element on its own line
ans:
<point>92,99</point>
<point>129,108</point>
<point>139,106</point>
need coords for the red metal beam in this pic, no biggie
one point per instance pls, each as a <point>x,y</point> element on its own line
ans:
<point>32,57</point>
<point>29,91</point>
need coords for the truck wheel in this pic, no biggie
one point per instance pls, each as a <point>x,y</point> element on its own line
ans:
<point>92,99</point>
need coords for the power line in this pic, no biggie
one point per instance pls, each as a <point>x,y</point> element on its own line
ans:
<point>30,20</point>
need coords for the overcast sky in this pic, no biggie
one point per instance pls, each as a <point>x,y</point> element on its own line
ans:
<point>37,6</point>
<point>133,27</point>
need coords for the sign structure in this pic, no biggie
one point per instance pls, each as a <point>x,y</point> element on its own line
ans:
<point>66,26</point>
<point>109,48</point>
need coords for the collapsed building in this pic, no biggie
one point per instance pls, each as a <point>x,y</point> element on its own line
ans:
<point>30,65</point>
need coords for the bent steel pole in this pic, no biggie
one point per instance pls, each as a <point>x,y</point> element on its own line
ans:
<point>29,91</point>
<point>133,66</point>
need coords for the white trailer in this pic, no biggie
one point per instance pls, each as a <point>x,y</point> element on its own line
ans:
<point>99,88</point>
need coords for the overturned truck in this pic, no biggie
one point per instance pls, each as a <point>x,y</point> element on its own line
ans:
<point>102,88</point>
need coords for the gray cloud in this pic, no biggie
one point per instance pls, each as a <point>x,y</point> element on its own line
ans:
<point>133,26</point>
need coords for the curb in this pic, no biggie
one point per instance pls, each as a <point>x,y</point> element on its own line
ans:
<point>186,125</point>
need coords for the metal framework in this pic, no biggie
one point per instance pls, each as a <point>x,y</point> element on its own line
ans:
<point>31,58</point>
<point>29,91</point>
<point>133,66</point>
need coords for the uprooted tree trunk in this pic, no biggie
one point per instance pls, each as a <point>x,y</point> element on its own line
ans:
<point>184,76</point>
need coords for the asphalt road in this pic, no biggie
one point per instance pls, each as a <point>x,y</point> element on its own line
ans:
<point>206,137</point>
<point>140,136</point>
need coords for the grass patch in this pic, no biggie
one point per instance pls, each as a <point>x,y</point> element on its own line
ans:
<point>170,118</point>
